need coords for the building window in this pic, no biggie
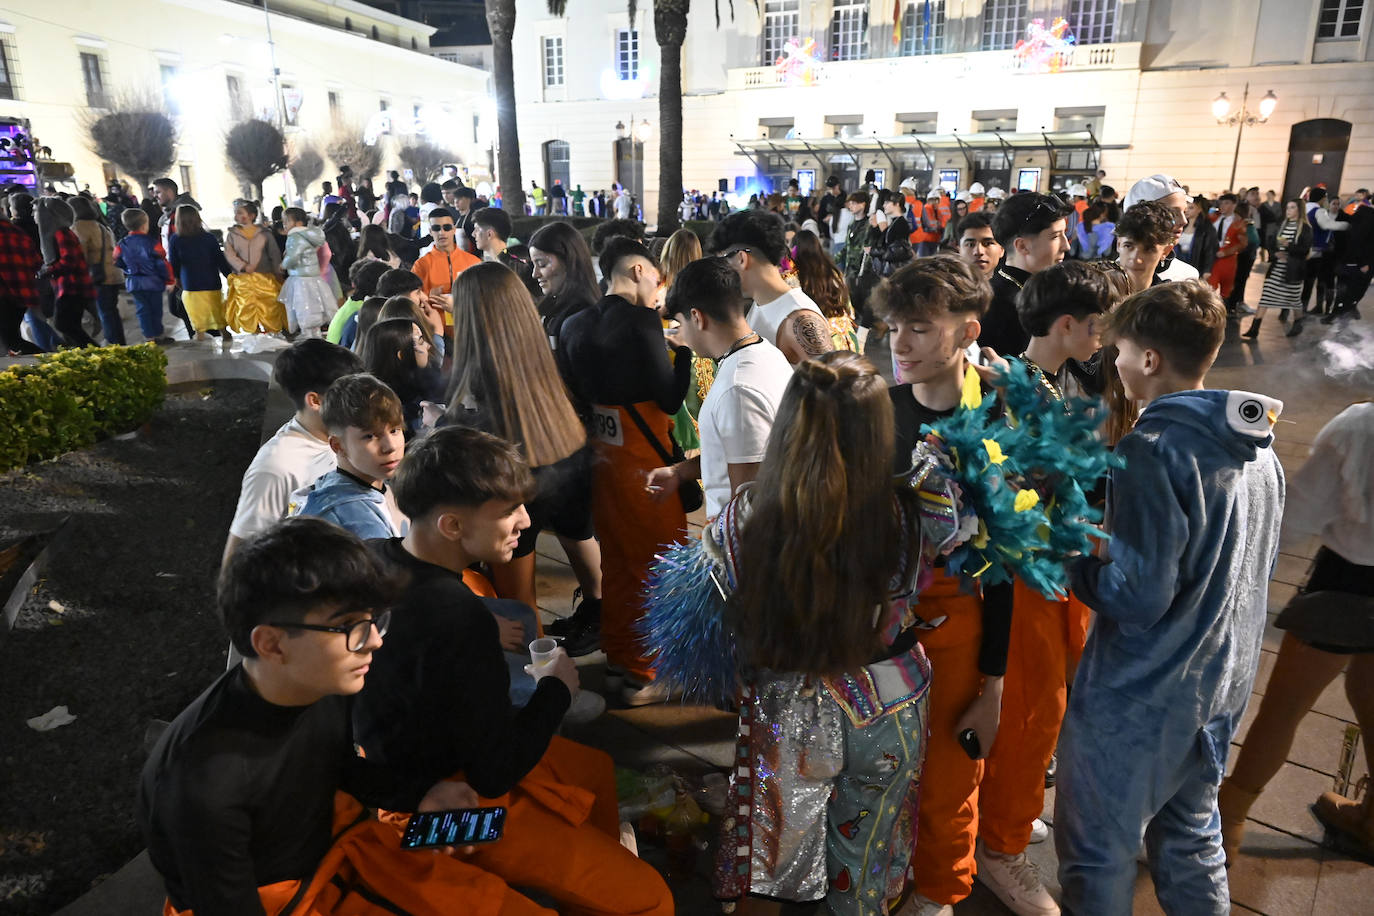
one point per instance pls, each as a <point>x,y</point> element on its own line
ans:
<point>92,74</point>
<point>557,163</point>
<point>333,107</point>
<point>167,73</point>
<point>1093,22</point>
<point>375,35</point>
<point>383,104</point>
<point>916,122</point>
<point>185,178</point>
<point>1003,119</point>
<point>923,28</point>
<point>627,54</point>
<point>238,102</point>
<point>553,61</point>
<point>849,30</point>
<point>1003,22</point>
<point>780,24</point>
<point>1080,119</point>
<point>1340,19</point>
<point>9,79</point>
<point>348,23</point>
<point>290,97</point>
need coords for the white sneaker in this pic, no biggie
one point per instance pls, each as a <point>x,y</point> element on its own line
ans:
<point>1015,882</point>
<point>627,838</point>
<point>916,905</point>
<point>1039,831</point>
<point>636,694</point>
<point>585,707</point>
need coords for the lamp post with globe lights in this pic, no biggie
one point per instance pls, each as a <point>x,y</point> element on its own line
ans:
<point>1241,119</point>
<point>636,134</point>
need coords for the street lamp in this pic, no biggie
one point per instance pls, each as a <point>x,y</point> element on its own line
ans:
<point>1221,110</point>
<point>641,134</point>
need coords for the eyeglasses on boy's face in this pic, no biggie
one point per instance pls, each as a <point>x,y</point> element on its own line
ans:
<point>358,632</point>
<point>441,227</point>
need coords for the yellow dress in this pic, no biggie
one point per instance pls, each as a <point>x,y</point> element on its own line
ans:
<point>251,304</point>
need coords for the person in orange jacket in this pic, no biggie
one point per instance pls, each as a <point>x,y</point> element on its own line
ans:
<point>1231,231</point>
<point>930,224</point>
<point>442,264</point>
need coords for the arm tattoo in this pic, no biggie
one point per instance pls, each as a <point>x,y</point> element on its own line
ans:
<point>811,333</point>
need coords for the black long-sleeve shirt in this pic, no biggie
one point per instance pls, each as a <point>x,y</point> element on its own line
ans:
<point>909,415</point>
<point>239,793</point>
<point>437,698</point>
<point>614,354</point>
<point>1002,328</point>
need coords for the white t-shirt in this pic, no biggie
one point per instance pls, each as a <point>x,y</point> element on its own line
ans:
<point>622,206</point>
<point>737,415</point>
<point>766,318</point>
<point>1179,270</point>
<point>291,459</point>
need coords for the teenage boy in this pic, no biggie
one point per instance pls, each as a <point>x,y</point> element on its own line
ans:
<point>753,242</point>
<point>491,232</point>
<point>1144,236</point>
<point>978,245</point>
<point>1062,307</point>
<point>1033,231</point>
<point>237,800</point>
<point>1180,602</point>
<point>299,453</point>
<point>401,282</point>
<point>1232,241</point>
<point>362,279</point>
<point>751,376</point>
<point>616,362</point>
<point>934,306</point>
<point>436,701</point>
<point>146,273</point>
<point>445,260</point>
<point>366,426</point>
<point>1166,190</point>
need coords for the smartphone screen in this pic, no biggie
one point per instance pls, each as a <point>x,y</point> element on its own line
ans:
<point>462,827</point>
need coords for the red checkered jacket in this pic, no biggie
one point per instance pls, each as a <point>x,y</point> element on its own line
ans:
<point>69,273</point>
<point>19,261</point>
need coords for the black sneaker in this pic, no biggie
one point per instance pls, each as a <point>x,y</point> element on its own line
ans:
<point>565,626</point>
<point>1052,771</point>
<point>586,638</point>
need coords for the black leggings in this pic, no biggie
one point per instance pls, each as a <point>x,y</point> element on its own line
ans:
<point>67,320</point>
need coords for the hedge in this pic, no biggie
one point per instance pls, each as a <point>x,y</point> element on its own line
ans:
<point>68,400</point>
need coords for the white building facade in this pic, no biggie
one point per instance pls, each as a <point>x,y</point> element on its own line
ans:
<point>342,65</point>
<point>946,96</point>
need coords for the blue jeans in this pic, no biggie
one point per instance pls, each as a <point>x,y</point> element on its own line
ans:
<point>521,684</point>
<point>148,307</point>
<point>44,335</point>
<point>111,325</point>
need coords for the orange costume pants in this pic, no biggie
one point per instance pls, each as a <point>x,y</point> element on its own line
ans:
<point>1223,275</point>
<point>947,820</point>
<point>631,526</point>
<point>1047,639</point>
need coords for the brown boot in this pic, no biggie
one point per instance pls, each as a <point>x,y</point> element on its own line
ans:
<point>1350,822</point>
<point>1234,804</point>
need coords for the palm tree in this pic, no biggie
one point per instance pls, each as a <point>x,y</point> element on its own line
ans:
<point>670,29</point>
<point>501,24</point>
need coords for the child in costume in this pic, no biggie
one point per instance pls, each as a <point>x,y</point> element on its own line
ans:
<point>1180,601</point>
<point>833,684</point>
<point>1330,626</point>
<point>197,262</point>
<point>146,273</point>
<point>252,303</point>
<point>310,303</point>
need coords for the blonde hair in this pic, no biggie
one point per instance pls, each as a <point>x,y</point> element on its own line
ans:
<point>502,361</point>
<point>683,248</point>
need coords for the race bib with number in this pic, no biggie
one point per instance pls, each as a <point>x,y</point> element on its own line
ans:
<point>606,425</point>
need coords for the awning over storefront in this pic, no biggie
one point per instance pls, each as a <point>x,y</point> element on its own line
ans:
<point>901,148</point>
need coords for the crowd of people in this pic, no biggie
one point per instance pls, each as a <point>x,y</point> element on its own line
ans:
<point>457,392</point>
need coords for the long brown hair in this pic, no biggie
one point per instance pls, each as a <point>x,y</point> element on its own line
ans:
<point>502,361</point>
<point>820,545</point>
<point>683,248</point>
<point>818,276</point>
<point>187,221</point>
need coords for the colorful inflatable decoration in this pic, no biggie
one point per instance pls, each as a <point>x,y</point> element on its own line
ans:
<point>1045,50</point>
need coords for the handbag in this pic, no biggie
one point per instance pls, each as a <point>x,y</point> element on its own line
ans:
<point>688,491</point>
<point>98,269</point>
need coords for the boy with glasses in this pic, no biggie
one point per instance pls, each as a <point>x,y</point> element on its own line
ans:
<point>441,265</point>
<point>237,801</point>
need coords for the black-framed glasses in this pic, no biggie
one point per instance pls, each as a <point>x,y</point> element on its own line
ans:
<point>358,632</point>
<point>435,227</point>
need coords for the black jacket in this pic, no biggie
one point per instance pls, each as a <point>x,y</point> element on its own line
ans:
<point>1203,252</point>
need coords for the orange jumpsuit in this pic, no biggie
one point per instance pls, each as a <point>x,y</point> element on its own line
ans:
<point>1047,638</point>
<point>632,527</point>
<point>947,820</point>
<point>1224,267</point>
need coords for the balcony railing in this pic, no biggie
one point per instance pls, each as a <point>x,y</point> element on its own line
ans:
<point>901,70</point>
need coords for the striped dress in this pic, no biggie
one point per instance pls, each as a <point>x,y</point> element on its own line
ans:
<point>1278,292</point>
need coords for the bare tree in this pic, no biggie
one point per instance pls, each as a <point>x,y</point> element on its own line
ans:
<point>346,147</point>
<point>256,151</point>
<point>306,167</point>
<point>424,159</point>
<point>134,133</point>
<point>501,24</point>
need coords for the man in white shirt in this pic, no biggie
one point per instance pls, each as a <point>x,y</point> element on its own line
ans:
<point>623,204</point>
<point>1166,190</point>
<point>299,453</point>
<point>753,243</point>
<point>751,377</point>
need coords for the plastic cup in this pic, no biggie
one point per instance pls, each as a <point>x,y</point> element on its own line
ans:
<point>543,651</point>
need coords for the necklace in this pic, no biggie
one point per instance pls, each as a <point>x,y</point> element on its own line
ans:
<point>741,343</point>
<point>1020,284</point>
<point>1045,379</point>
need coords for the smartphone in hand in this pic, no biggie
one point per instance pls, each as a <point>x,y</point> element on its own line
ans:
<point>460,827</point>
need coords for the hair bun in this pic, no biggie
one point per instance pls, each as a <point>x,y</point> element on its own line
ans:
<point>819,374</point>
